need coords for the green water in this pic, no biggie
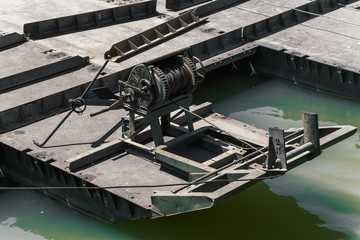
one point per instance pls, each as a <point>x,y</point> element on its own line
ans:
<point>318,200</point>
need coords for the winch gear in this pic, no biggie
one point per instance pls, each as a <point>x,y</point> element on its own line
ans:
<point>164,84</point>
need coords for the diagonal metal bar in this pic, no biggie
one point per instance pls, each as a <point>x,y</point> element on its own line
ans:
<point>153,36</point>
<point>74,103</point>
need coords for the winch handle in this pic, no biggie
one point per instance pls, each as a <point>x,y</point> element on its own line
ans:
<point>75,105</point>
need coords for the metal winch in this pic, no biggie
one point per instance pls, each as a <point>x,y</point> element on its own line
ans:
<point>154,91</point>
<point>151,86</point>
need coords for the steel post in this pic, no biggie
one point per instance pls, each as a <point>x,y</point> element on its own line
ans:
<point>311,131</point>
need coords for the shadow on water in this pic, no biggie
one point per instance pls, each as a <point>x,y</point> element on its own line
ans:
<point>256,213</point>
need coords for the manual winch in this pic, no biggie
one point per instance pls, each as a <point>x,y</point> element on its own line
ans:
<point>151,86</point>
<point>156,90</point>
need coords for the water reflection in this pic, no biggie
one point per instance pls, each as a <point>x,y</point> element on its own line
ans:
<point>32,215</point>
<point>9,230</point>
<point>256,213</point>
<point>328,186</point>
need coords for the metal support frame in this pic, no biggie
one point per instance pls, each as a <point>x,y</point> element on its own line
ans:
<point>153,36</point>
<point>242,170</point>
<point>158,129</point>
<point>87,20</point>
<point>276,159</point>
<point>193,169</point>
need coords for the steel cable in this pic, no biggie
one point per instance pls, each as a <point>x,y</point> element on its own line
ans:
<point>179,78</point>
<point>140,186</point>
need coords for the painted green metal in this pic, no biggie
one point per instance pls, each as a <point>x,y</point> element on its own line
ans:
<point>152,36</point>
<point>179,162</point>
<point>232,177</point>
<point>167,203</point>
<point>214,6</point>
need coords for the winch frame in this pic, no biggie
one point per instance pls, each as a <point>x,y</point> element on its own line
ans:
<point>151,94</point>
<point>137,120</point>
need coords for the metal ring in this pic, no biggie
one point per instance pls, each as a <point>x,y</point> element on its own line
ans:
<point>76,105</point>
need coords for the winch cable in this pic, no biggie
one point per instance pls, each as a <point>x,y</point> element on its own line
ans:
<point>178,78</point>
<point>140,186</point>
<point>77,105</point>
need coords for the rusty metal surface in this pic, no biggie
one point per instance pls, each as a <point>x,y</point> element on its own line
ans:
<point>63,64</point>
<point>180,4</point>
<point>205,191</point>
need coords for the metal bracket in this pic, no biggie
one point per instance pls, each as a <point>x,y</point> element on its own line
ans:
<point>276,160</point>
<point>158,129</point>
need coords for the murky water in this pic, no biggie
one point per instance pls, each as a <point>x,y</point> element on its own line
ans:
<point>318,200</point>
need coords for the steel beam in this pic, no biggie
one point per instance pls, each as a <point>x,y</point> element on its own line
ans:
<point>276,160</point>
<point>311,131</point>
<point>181,163</point>
<point>95,154</point>
<point>89,20</point>
<point>152,36</point>
<point>63,65</point>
